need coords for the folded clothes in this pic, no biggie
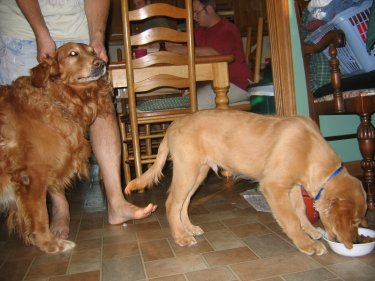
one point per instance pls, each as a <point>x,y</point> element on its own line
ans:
<point>326,10</point>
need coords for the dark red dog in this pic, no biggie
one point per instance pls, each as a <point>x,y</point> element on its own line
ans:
<point>44,119</point>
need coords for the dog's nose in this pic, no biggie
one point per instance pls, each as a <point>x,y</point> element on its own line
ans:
<point>99,63</point>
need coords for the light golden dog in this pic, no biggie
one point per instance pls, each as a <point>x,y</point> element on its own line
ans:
<point>282,153</point>
<point>43,136</point>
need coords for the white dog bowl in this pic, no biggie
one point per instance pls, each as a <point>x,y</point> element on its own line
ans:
<point>358,249</point>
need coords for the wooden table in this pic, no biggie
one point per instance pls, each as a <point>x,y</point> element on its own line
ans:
<point>208,68</point>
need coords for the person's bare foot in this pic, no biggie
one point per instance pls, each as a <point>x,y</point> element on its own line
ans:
<point>127,211</point>
<point>59,225</point>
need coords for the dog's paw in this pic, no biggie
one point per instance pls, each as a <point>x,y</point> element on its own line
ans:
<point>315,233</point>
<point>185,241</point>
<point>196,230</point>
<point>66,245</point>
<point>56,246</point>
<point>313,248</point>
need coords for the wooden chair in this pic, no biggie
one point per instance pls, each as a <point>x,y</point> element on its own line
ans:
<point>258,49</point>
<point>138,144</point>
<point>352,95</point>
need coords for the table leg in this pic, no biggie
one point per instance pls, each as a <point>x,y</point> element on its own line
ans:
<point>220,84</point>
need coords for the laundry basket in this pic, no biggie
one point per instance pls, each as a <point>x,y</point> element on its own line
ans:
<point>353,57</point>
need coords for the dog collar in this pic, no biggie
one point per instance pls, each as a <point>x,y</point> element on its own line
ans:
<point>334,174</point>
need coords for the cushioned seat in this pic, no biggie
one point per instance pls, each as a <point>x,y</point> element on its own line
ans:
<point>350,83</point>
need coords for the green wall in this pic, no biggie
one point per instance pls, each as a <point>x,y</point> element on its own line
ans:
<point>329,125</point>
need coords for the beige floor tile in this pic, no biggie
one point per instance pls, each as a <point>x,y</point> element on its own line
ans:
<point>223,239</point>
<point>87,276</point>
<point>229,256</point>
<point>45,270</point>
<point>369,259</point>
<point>96,233</point>
<point>156,250</point>
<point>174,266</point>
<point>124,269</point>
<point>319,274</point>
<point>178,277</point>
<point>145,236</point>
<point>120,250</point>
<point>87,256</point>
<point>354,271</point>
<point>80,267</point>
<point>14,270</point>
<point>88,244</point>
<point>265,268</point>
<point>251,229</point>
<point>212,274</point>
<point>269,245</point>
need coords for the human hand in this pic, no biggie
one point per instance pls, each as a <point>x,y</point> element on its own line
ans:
<point>45,47</point>
<point>99,49</point>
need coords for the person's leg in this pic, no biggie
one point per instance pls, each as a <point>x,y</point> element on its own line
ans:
<point>105,138</point>
<point>206,95</point>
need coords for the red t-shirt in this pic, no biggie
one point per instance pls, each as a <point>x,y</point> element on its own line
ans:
<point>226,39</point>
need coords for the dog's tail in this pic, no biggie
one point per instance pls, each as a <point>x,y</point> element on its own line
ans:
<point>154,173</point>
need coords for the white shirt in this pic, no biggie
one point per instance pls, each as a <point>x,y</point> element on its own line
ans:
<point>65,19</point>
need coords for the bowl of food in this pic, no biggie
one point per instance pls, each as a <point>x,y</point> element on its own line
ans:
<point>364,245</point>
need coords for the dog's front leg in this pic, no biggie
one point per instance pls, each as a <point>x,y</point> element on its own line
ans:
<point>298,204</point>
<point>31,205</point>
<point>277,196</point>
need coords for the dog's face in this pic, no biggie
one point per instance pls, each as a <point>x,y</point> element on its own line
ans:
<point>73,64</point>
<point>343,209</point>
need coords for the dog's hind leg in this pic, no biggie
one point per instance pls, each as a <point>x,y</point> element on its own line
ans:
<point>185,176</point>
<point>296,199</point>
<point>33,216</point>
<point>276,191</point>
<point>193,229</point>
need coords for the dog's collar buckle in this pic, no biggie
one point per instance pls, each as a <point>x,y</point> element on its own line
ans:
<point>334,174</point>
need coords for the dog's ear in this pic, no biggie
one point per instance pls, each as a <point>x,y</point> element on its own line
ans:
<point>343,215</point>
<point>43,72</point>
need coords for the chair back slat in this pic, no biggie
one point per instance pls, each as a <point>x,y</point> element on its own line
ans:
<point>159,34</point>
<point>158,69</point>
<point>162,80</point>
<point>158,10</point>
<point>162,57</point>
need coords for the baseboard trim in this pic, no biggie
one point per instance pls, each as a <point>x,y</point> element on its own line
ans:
<point>354,168</point>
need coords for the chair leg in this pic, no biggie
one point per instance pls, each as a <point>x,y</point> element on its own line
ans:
<point>125,151</point>
<point>148,142</point>
<point>366,140</point>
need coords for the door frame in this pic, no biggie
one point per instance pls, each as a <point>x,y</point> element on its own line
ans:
<point>281,55</point>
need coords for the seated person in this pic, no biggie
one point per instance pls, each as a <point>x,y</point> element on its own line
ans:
<point>213,36</point>
<point>225,38</point>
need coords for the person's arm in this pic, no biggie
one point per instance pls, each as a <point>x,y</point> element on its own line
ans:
<point>45,44</point>
<point>97,14</point>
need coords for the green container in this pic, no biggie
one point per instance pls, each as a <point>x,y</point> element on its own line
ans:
<point>263,104</point>
<point>262,99</point>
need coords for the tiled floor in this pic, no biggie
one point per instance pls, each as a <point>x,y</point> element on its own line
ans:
<point>239,244</point>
